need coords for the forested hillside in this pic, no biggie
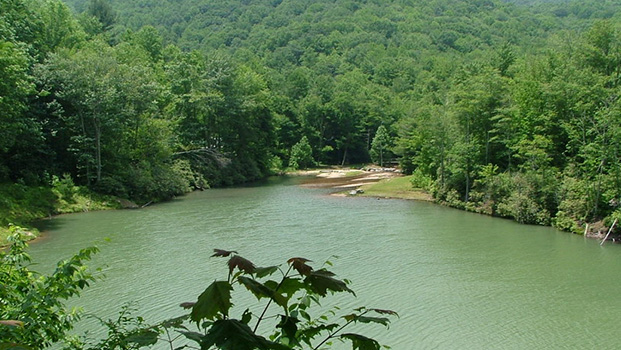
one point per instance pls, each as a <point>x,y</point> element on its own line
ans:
<point>496,107</point>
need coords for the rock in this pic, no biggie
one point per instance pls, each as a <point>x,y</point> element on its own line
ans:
<point>356,191</point>
<point>127,204</point>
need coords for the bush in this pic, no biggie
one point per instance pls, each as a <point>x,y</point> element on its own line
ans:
<point>524,209</point>
<point>421,180</point>
<point>35,302</point>
<point>20,204</point>
<point>301,155</point>
<point>64,187</point>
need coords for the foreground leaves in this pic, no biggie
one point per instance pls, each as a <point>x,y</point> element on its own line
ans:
<point>32,306</point>
<point>213,302</point>
<point>322,281</point>
<point>283,321</point>
<point>360,342</point>
<point>236,335</point>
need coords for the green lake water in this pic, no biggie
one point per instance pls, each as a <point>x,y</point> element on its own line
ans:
<point>458,280</point>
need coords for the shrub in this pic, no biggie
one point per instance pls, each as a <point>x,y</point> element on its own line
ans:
<point>421,180</point>
<point>35,302</point>
<point>301,155</point>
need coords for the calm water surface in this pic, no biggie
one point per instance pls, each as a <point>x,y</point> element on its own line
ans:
<point>458,280</point>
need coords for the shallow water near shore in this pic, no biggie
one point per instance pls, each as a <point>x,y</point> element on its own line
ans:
<point>458,280</point>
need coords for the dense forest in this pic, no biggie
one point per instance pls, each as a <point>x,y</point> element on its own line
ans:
<point>505,108</point>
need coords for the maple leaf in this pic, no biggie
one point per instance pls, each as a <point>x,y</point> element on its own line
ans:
<point>241,263</point>
<point>289,326</point>
<point>236,335</point>
<point>265,271</point>
<point>187,305</point>
<point>143,338</point>
<point>299,264</point>
<point>262,290</point>
<point>385,312</point>
<point>322,281</point>
<point>360,342</point>
<point>216,299</point>
<point>223,253</point>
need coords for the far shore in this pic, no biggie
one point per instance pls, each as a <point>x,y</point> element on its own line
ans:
<point>366,182</point>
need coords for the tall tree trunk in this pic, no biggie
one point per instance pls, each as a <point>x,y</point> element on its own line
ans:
<point>442,165</point>
<point>88,163</point>
<point>467,196</point>
<point>97,125</point>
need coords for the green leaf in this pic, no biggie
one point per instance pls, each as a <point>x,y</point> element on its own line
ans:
<point>145,337</point>
<point>215,300</point>
<point>195,336</point>
<point>261,291</point>
<point>257,288</point>
<point>265,271</point>
<point>289,326</point>
<point>322,281</point>
<point>290,286</point>
<point>246,316</point>
<point>308,334</point>
<point>236,335</point>
<point>366,319</point>
<point>360,342</point>
<point>285,289</point>
<point>176,322</point>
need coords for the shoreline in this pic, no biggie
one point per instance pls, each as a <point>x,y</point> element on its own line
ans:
<point>394,185</point>
<point>386,183</point>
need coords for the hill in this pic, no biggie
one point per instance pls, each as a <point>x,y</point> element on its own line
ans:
<point>504,108</point>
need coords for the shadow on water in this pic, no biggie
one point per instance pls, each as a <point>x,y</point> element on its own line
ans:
<point>49,224</point>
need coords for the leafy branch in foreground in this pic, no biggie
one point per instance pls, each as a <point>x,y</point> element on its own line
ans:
<point>284,321</point>
<point>32,306</point>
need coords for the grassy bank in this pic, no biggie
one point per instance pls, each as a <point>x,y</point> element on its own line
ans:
<point>21,205</point>
<point>396,187</point>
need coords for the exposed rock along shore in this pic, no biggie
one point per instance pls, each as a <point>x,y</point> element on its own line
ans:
<point>347,179</point>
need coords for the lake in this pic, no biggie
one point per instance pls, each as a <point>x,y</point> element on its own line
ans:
<point>458,280</point>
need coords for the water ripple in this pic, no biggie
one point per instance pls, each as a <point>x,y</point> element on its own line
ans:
<point>458,280</point>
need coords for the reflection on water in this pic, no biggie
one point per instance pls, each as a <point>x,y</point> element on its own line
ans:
<point>458,280</point>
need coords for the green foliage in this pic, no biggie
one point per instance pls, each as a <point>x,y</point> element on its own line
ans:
<point>15,87</point>
<point>21,204</point>
<point>380,147</point>
<point>301,155</point>
<point>151,104</point>
<point>103,12</point>
<point>126,332</point>
<point>288,294</point>
<point>421,180</point>
<point>64,187</point>
<point>37,301</point>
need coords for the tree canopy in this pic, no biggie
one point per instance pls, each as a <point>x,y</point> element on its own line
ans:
<point>510,108</point>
